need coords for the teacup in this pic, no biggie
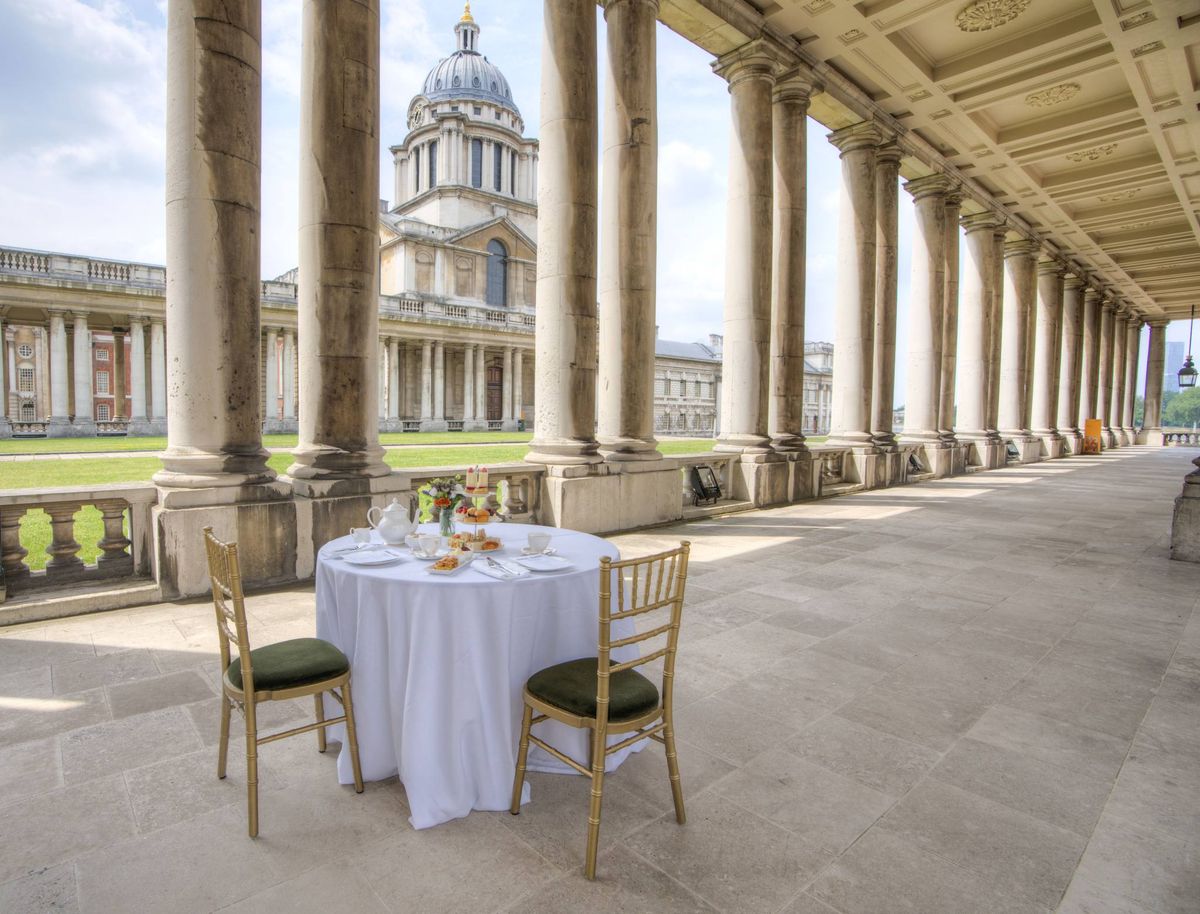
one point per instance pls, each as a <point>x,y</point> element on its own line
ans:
<point>360,535</point>
<point>539,542</point>
<point>428,543</point>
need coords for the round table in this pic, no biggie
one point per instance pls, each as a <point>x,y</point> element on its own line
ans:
<point>438,665</point>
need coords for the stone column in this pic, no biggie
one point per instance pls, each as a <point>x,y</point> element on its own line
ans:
<point>5,425</point>
<point>271,388</point>
<point>1108,316</point>
<point>289,379</point>
<point>1089,372</point>
<point>506,390</point>
<point>628,236</point>
<point>468,387</point>
<point>1132,352</point>
<point>1069,373</point>
<point>997,335</point>
<point>975,328</point>
<point>789,119</point>
<point>854,321</point>
<point>566,328</point>
<point>214,91</point>
<point>338,295</point>
<point>481,415</point>
<point>60,420</point>
<point>1155,367</point>
<point>1020,258</point>
<point>393,384</point>
<point>158,376</point>
<point>1046,355</point>
<point>120,408</point>
<point>426,381</point>
<point>1116,401</point>
<point>745,361</point>
<point>946,396</point>
<point>926,313</point>
<point>439,382</point>
<point>519,386</point>
<point>85,410</point>
<point>883,369</point>
<point>137,376</point>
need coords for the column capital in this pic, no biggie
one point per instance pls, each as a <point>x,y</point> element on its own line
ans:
<point>138,320</point>
<point>889,153</point>
<point>857,136</point>
<point>955,197</point>
<point>156,319</point>
<point>799,84</point>
<point>1092,294</point>
<point>1050,266</point>
<point>1073,280</point>
<point>1022,247</point>
<point>75,315</point>
<point>1109,305</point>
<point>928,186</point>
<point>757,59</point>
<point>1158,323</point>
<point>981,222</point>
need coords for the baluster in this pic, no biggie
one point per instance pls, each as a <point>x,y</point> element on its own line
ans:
<point>63,550</point>
<point>12,553</point>
<point>514,495</point>
<point>115,543</point>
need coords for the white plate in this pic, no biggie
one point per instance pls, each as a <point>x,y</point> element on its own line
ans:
<point>464,559</point>
<point>426,557</point>
<point>544,563</point>
<point>549,550</point>
<point>371,557</point>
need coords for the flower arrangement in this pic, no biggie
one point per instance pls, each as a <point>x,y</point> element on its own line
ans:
<point>438,495</point>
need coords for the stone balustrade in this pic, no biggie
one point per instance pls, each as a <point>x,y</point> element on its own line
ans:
<point>114,427</point>
<point>517,487</point>
<point>29,429</point>
<point>1181,439</point>
<point>126,547</point>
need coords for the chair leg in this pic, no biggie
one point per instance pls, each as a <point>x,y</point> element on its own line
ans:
<point>252,765</point>
<point>522,755</point>
<point>319,701</point>
<point>673,771</point>
<point>599,739</point>
<point>223,744</point>
<point>352,737</point>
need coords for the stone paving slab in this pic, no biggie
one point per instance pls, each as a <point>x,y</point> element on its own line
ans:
<point>968,695</point>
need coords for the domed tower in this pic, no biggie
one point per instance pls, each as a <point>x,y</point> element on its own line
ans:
<point>465,157</point>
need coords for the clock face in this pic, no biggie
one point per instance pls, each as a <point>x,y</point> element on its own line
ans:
<point>416,116</point>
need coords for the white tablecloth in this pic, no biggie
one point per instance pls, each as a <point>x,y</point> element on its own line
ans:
<point>438,664</point>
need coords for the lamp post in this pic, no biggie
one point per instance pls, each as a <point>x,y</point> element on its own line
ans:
<point>1187,374</point>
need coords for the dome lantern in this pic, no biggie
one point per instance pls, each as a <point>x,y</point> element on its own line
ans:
<point>466,33</point>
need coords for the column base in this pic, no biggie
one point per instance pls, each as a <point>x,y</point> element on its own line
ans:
<point>475,425</point>
<point>435,425</point>
<point>868,467</point>
<point>1128,436</point>
<point>86,428</point>
<point>804,480</point>
<point>606,498</point>
<point>140,427</point>
<point>328,508</point>
<point>1029,449</point>
<point>1052,445</point>
<point>984,453</point>
<point>1109,438</point>
<point>5,427</point>
<point>508,425</point>
<point>1072,443</point>
<point>1151,436</point>
<point>743,444</point>
<point>59,427</point>
<point>1185,526</point>
<point>764,479</point>
<point>391,424</point>
<point>260,518</point>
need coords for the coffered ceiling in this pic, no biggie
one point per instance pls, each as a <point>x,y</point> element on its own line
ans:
<point>1080,117</point>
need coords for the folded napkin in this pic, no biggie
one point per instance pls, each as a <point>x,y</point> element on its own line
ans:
<point>510,570</point>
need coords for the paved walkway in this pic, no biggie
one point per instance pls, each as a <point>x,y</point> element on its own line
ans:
<point>976,695</point>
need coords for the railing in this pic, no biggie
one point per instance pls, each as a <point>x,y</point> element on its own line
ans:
<point>458,311</point>
<point>121,555</point>
<point>29,429</point>
<point>722,467</point>
<point>107,271</point>
<point>24,262</point>
<point>517,488</point>
<point>833,464</point>
<point>454,425</point>
<point>497,317</point>
<point>495,425</point>
<point>112,427</point>
<point>1182,439</point>
<point>410,306</point>
<point>410,425</point>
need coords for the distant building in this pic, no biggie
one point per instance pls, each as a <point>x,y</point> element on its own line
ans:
<point>687,388</point>
<point>1175,357</point>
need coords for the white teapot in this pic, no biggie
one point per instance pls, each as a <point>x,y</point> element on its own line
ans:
<point>393,523</point>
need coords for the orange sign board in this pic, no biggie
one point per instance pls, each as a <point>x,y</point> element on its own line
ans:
<point>1091,436</point>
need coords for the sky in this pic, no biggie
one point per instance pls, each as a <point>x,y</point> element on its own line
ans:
<point>82,142</point>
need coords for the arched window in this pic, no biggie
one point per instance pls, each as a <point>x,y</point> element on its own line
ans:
<point>497,273</point>
<point>433,164</point>
<point>416,158</point>
<point>497,167</point>
<point>477,163</point>
<point>27,413</point>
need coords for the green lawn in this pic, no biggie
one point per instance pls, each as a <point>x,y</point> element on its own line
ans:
<point>107,445</point>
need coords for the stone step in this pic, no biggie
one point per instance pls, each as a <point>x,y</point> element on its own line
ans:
<point>38,606</point>
<point>724,506</point>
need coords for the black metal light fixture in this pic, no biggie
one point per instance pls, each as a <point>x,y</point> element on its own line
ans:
<point>1188,373</point>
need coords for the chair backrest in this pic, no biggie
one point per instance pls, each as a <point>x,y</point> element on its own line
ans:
<point>229,603</point>
<point>632,589</point>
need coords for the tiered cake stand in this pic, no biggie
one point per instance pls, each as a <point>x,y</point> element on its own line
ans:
<point>477,525</point>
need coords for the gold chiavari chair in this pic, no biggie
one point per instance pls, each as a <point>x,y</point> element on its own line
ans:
<point>275,672</point>
<point>606,697</point>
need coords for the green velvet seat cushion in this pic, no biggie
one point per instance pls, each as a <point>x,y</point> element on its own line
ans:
<point>572,687</point>
<point>290,664</point>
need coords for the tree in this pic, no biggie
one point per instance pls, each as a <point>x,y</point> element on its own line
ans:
<point>1139,410</point>
<point>1183,410</point>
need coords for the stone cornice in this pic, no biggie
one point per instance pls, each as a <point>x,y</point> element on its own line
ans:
<point>1023,247</point>
<point>981,222</point>
<point>758,59</point>
<point>796,84</point>
<point>930,185</point>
